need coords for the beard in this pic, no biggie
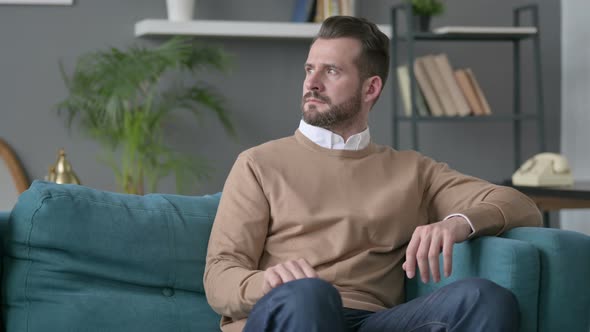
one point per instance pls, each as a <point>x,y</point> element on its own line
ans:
<point>335,115</point>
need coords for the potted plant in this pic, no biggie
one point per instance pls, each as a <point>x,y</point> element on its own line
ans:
<point>117,97</point>
<point>423,10</point>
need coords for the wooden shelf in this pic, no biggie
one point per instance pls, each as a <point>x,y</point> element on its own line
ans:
<point>231,29</point>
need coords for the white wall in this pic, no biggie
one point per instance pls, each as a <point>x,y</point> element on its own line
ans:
<point>575,101</point>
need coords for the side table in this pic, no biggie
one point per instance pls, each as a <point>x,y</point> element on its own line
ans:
<point>555,198</point>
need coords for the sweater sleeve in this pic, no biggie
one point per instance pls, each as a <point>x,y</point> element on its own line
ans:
<point>232,282</point>
<point>492,209</point>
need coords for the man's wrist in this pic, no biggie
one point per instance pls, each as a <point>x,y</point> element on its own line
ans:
<point>463,217</point>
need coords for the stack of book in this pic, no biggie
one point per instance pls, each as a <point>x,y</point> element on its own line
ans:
<point>319,10</point>
<point>442,90</point>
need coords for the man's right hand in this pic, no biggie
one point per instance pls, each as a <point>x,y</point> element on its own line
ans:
<point>285,272</point>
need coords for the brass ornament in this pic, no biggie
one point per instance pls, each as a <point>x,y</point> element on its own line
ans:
<point>51,175</point>
<point>62,171</point>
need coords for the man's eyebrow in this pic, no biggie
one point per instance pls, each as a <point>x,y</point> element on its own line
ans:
<point>328,65</point>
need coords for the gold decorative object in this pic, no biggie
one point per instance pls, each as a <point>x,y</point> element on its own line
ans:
<point>51,175</point>
<point>62,171</point>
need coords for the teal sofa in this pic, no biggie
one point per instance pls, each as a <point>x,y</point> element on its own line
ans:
<point>79,259</point>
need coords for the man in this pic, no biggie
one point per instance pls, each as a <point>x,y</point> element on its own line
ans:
<point>314,231</point>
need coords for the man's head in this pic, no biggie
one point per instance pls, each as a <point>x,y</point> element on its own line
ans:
<point>346,69</point>
<point>374,57</point>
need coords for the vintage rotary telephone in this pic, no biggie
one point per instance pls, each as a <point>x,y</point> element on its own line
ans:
<point>544,169</point>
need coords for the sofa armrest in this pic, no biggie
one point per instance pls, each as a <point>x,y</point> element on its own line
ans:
<point>509,263</point>
<point>564,299</point>
<point>4,216</point>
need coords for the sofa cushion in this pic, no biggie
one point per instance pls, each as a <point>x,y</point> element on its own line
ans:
<point>82,259</point>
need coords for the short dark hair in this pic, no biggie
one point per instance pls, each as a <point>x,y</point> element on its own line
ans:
<point>374,57</point>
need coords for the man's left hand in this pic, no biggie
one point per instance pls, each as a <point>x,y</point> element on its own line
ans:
<point>426,245</point>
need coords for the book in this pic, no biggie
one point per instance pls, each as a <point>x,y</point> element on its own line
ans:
<point>335,8</point>
<point>348,7</point>
<point>427,89</point>
<point>319,11</point>
<point>486,29</point>
<point>439,85</point>
<point>304,11</point>
<point>468,91</point>
<point>461,107</point>
<point>403,77</point>
<point>327,8</point>
<point>345,8</point>
<point>479,92</point>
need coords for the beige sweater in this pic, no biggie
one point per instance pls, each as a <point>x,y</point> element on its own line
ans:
<point>350,214</point>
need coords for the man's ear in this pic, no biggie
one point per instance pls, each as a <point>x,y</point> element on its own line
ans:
<point>372,88</point>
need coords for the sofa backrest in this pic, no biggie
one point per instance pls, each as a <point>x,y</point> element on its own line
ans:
<point>79,259</point>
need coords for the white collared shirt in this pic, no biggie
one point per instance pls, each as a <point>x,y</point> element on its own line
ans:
<point>330,140</point>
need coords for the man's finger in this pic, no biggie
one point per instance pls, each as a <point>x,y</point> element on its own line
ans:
<point>411,256</point>
<point>433,254</point>
<point>284,273</point>
<point>295,269</point>
<point>422,259</point>
<point>272,279</point>
<point>307,269</point>
<point>448,256</point>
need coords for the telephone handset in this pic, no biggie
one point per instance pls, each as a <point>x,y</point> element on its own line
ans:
<point>544,169</point>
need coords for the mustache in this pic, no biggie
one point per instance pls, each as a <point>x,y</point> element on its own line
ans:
<point>316,95</point>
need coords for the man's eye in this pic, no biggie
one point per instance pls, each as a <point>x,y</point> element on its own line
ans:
<point>308,70</point>
<point>331,71</point>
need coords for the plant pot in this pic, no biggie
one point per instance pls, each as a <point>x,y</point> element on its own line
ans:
<point>422,23</point>
<point>180,10</point>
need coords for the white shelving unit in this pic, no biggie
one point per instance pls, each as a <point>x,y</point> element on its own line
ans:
<point>244,29</point>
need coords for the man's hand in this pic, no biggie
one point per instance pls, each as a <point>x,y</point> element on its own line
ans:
<point>426,244</point>
<point>285,272</point>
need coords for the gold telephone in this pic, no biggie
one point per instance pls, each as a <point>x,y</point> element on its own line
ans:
<point>544,169</point>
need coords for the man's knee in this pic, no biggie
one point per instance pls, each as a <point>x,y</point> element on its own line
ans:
<point>488,292</point>
<point>309,304</point>
<point>489,300</point>
<point>308,292</point>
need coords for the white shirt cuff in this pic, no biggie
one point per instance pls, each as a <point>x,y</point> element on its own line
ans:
<point>462,216</point>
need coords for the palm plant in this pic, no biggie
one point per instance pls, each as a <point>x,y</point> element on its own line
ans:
<point>118,98</point>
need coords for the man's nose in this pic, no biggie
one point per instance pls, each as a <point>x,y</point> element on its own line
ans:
<point>313,82</point>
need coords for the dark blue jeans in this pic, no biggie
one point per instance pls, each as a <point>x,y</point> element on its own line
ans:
<point>313,305</point>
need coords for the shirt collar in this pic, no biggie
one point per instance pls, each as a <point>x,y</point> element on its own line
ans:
<point>330,140</point>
